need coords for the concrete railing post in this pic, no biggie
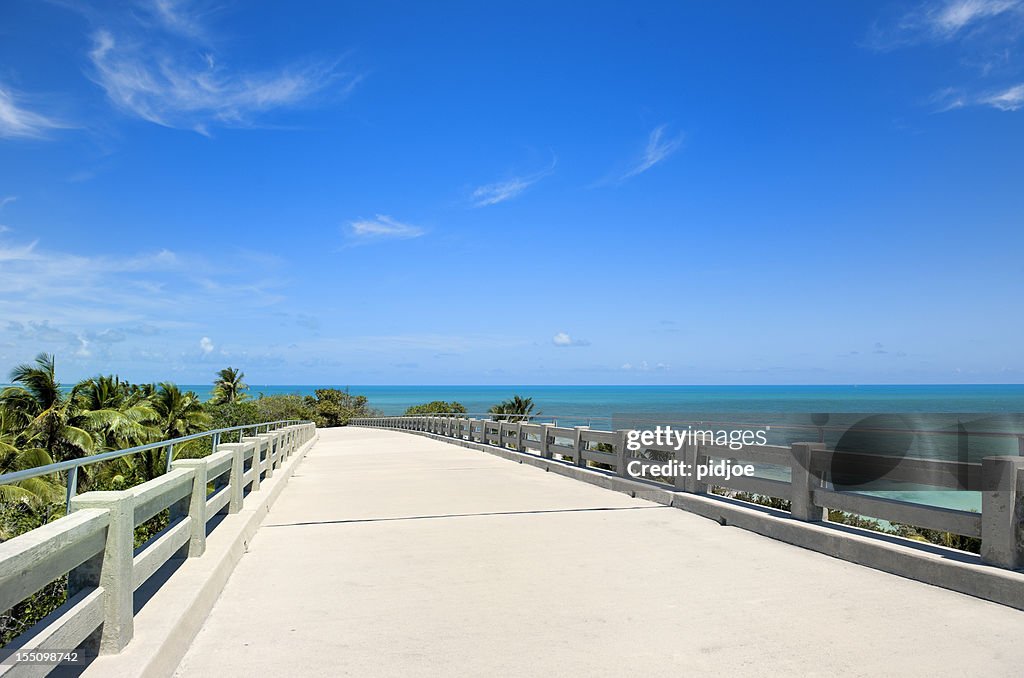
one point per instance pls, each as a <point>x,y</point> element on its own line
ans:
<point>682,482</point>
<point>285,436</point>
<point>1002,510</point>
<point>545,445</point>
<point>264,464</point>
<point>578,444</point>
<point>111,569</point>
<point>196,507</point>
<point>279,448</point>
<point>236,483</point>
<point>621,453</point>
<point>694,457</point>
<point>254,466</point>
<point>804,482</point>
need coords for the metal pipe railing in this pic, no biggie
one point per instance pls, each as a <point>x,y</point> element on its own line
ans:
<point>72,465</point>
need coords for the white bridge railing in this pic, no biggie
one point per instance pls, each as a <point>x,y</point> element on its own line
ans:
<point>94,543</point>
<point>808,490</point>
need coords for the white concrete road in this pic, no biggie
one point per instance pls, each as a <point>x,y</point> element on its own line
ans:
<point>390,554</point>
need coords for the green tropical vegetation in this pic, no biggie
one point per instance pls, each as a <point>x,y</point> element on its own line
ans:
<point>515,408</point>
<point>436,407</point>
<point>42,422</point>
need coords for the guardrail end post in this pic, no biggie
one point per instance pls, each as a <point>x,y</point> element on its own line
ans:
<point>1002,509</point>
<point>195,507</point>
<point>804,482</point>
<point>111,569</point>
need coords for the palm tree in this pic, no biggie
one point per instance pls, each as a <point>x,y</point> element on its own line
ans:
<point>177,414</point>
<point>119,415</point>
<point>32,490</point>
<point>47,417</point>
<point>229,387</point>
<point>516,408</point>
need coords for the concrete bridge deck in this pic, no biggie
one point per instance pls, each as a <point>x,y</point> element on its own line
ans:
<point>389,554</point>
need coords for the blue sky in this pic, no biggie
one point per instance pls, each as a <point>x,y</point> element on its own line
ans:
<point>430,193</point>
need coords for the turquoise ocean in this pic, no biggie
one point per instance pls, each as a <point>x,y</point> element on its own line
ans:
<point>600,406</point>
<point>575,402</point>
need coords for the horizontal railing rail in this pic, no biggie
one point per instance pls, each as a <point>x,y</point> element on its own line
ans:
<point>94,543</point>
<point>803,475</point>
<point>644,421</point>
<point>73,465</point>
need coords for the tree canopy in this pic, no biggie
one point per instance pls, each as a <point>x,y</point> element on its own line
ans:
<point>515,408</point>
<point>437,407</point>
<point>229,387</point>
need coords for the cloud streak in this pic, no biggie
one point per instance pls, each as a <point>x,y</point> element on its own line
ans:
<point>383,227</point>
<point>1009,99</point>
<point>147,309</point>
<point>162,69</point>
<point>500,191</point>
<point>17,122</point>
<point>944,22</point>
<point>659,147</point>
<point>985,33</point>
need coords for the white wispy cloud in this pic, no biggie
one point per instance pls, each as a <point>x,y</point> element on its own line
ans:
<point>1011,99</point>
<point>948,99</point>
<point>492,194</point>
<point>564,339</point>
<point>4,202</point>
<point>500,191</point>
<point>176,17</point>
<point>644,366</point>
<point>18,122</point>
<point>24,252</point>
<point>383,227</point>
<point>206,345</point>
<point>659,147</point>
<point>946,21</point>
<point>80,290</point>
<point>986,35</point>
<point>163,68</point>
<point>120,307</point>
